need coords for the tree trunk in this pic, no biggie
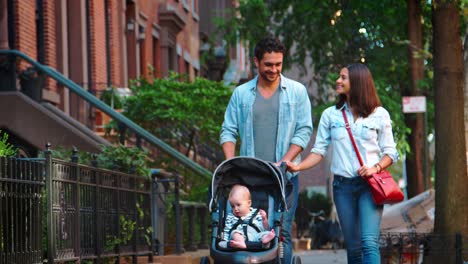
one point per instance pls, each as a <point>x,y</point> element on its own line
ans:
<point>415,159</point>
<point>465,61</point>
<point>451,200</point>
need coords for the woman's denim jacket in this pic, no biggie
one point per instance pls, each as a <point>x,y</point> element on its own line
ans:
<point>373,136</point>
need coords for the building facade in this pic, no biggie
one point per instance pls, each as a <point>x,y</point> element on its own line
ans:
<point>99,44</point>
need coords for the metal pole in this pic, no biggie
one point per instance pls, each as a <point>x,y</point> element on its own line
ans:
<point>177,216</point>
<point>425,153</point>
<point>49,185</point>
<point>154,212</point>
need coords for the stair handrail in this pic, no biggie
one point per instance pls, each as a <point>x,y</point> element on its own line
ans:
<point>90,98</point>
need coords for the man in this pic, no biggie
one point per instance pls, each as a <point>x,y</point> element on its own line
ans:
<point>272,116</point>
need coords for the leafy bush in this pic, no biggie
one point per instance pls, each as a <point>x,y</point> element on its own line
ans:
<point>6,149</point>
<point>122,158</point>
<point>111,98</point>
<point>200,104</point>
<point>113,157</point>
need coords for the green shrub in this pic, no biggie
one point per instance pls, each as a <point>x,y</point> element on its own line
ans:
<point>114,157</point>
<point>6,149</point>
<point>111,98</point>
<point>199,104</point>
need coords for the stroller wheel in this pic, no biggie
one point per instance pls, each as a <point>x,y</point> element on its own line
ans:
<point>204,260</point>
<point>296,260</point>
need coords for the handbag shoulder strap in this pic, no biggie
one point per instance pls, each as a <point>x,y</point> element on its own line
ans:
<point>351,137</point>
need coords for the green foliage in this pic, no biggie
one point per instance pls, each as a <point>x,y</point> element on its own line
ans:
<point>161,102</point>
<point>249,22</point>
<point>112,157</point>
<point>6,149</point>
<point>125,159</point>
<point>127,230</point>
<point>63,153</point>
<point>333,34</point>
<point>172,109</point>
<point>111,98</point>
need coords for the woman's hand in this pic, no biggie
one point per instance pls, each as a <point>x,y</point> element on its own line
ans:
<point>365,171</point>
<point>292,167</point>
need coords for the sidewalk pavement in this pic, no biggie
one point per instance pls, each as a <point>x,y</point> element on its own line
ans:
<point>322,256</point>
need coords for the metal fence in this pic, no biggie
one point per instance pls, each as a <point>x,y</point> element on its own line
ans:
<point>21,191</point>
<point>180,226</point>
<point>91,213</point>
<point>96,213</point>
<point>413,248</point>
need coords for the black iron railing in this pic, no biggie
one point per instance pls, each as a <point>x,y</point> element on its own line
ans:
<point>96,213</point>
<point>189,231</point>
<point>8,67</point>
<point>83,213</point>
<point>21,190</point>
<point>413,248</point>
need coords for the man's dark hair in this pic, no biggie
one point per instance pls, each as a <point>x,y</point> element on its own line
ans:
<point>268,44</point>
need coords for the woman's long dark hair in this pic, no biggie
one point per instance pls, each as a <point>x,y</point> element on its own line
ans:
<point>362,95</point>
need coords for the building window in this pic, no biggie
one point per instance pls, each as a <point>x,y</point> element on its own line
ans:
<point>155,56</point>
<point>187,68</point>
<point>186,6</point>
<point>170,55</point>
<point>179,70</point>
<point>195,10</point>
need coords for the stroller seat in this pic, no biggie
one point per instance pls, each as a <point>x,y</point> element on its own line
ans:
<point>267,185</point>
<point>260,199</point>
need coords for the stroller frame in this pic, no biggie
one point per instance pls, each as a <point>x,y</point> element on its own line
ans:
<point>266,183</point>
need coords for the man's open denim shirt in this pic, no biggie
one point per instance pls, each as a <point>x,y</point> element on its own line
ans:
<point>295,117</point>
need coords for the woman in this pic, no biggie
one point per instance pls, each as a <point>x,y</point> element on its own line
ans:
<point>371,128</point>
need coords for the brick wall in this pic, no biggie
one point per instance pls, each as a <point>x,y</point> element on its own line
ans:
<point>50,41</point>
<point>98,45</point>
<point>116,38</point>
<point>25,24</point>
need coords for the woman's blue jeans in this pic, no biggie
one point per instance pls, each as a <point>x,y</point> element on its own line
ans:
<point>359,219</point>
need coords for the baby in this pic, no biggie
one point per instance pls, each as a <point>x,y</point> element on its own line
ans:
<point>245,223</point>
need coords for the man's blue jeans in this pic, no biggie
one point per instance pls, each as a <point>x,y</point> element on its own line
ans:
<point>288,218</point>
<point>359,218</point>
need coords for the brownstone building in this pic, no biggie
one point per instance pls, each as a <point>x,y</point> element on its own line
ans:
<point>97,44</point>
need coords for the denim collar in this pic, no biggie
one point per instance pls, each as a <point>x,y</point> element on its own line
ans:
<point>283,82</point>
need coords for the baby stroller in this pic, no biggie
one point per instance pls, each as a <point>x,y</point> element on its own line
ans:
<point>267,185</point>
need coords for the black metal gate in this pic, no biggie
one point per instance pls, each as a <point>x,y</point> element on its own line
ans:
<point>96,213</point>
<point>91,213</point>
<point>21,207</point>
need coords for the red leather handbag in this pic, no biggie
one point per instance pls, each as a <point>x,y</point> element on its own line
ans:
<point>384,189</point>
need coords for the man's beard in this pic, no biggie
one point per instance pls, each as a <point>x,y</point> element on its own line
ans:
<point>266,77</point>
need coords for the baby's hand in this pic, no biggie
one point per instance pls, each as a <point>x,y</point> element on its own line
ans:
<point>263,214</point>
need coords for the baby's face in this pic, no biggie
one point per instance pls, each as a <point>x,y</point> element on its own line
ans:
<point>240,204</point>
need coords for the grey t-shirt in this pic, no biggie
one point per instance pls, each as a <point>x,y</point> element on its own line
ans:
<point>265,126</point>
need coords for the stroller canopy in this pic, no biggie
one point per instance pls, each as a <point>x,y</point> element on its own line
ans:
<point>248,171</point>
